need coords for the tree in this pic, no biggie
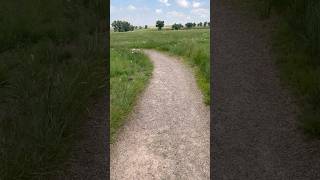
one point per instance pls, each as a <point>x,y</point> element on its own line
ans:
<point>159,24</point>
<point>208,23</point>
<point>200,24</point>
<point>205,24</point>
<point>121,26</point>
<point>177,26</point>
<point>194,24</point>
<point>146,26</point>
<point>131,28</point>
<point>189,25</point>
<point>140,27</point>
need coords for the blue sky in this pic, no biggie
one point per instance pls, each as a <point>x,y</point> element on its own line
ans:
<point>146,12</point>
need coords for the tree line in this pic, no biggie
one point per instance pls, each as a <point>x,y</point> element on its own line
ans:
<point>124,26</point>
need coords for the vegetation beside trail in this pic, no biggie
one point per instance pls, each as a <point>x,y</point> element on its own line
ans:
<point>52,63</point>
<point>193,45</point>
<point>297,46</point>
<point>129,73</point>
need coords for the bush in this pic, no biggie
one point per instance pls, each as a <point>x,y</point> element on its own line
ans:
<point>177,26</point>
<point>122,26</point>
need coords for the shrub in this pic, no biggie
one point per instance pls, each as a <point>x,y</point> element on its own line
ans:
<point>177,26</point>
<point>122,26</point>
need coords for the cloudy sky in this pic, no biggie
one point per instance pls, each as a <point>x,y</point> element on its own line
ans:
<point>146,12</point>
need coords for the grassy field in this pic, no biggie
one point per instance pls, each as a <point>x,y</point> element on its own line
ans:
<point>296,44</point>
<point>193,45</point>
<point>52,64</point>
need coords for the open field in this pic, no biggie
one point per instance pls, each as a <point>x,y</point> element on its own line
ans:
<point>192,45</point>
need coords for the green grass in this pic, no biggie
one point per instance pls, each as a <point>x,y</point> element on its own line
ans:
<point>193,45</point>
<point>52,65</point>
<point>129,74</point>
<point>296,44</point>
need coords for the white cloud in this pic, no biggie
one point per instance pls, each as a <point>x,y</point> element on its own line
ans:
<point>196,4</point>
<point>165,2</point>
<point>131,7</point>
<point>176,14</point>
<point>158,11</point>
<point>203,13</point>
<point>183,3</point>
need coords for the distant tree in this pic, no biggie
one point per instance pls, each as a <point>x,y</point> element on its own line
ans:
<point>146,26</point>
<point>135,27</point>
<point>200,24</point>
<point>131,28</point>
<point>194,24</point>
<point>140,27</point>
<point>159,24</point>
<point>205,24</point>
<point>189,25</point>
<point>177,26</point>
<point>208,23</point>
<point>121,26</point>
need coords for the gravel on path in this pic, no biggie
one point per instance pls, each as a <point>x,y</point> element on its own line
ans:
<point>167,135</point>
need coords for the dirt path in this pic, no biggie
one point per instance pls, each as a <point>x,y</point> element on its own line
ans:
<point>255,135</point>
<point>167,136</point>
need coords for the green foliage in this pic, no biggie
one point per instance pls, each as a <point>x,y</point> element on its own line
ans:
<point>177,26</point>
<point>159,24</point>
<point>146,26</point>
<point>52,64</point>
<point>129,73</point>
<point>122,26</point>
<point>189,25</point>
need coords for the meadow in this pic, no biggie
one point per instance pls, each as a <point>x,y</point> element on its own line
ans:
<point>52,56</point>
<point>193,45</point>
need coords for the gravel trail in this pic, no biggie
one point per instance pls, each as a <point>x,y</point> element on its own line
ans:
<point>167,135</point>
<point>254,120</point>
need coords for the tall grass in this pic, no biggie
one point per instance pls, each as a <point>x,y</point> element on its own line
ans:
<point>297,45</point>
<point>52,64</point>
<point>129,74</point>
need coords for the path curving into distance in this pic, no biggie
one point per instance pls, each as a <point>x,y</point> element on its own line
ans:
<point>254,121</point>
<point>167,135</point>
